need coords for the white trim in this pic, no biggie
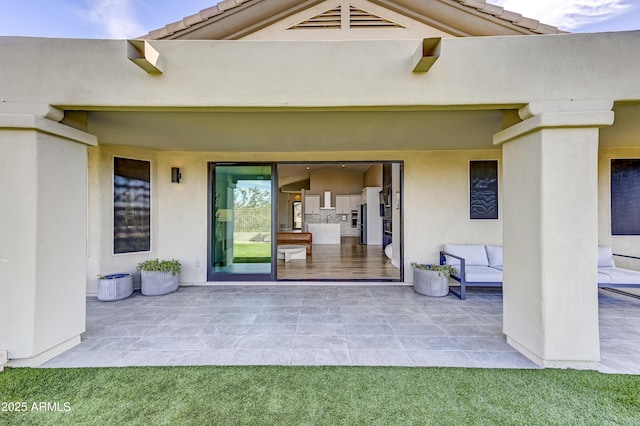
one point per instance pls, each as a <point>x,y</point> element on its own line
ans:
<point>45,356</point>
<point>33,122</point>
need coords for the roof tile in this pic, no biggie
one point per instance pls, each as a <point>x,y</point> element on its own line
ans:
<point>492,9</point>
<point>545,29</point>
<point>527,23</point>
<point>158,34</point>
<point>176,26</point>
<point>227,4</point>
<point>511,16</point>
<point>210,12</point>
<point>478,4</point>
<point>193,19</point>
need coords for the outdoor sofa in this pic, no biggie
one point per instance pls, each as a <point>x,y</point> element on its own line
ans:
<point>610,276</point>
<point>476,265</point>
<point>480,265</point>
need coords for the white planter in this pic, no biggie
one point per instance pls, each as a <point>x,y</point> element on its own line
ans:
<point>156,283</point>
<point>429,283</point>
<point>115,287</point>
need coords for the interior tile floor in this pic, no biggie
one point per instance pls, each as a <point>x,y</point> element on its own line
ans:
<point>376,325</point>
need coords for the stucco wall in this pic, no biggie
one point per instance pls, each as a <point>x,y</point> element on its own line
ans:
<point>436,204</point>
<point>42,249</point>
<point>18,212</point>
<point>622,244</point>
<point>101,259</point>
<point>510,71</point>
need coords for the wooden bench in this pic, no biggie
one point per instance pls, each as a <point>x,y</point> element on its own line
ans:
<point>296,238</point>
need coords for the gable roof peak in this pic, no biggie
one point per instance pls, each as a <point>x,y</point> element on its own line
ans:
<point>227,8</point>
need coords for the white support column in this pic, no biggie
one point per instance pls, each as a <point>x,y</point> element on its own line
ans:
<point>550,169</point>
<point>43,188</point>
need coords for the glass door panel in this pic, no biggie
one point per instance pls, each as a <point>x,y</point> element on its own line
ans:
<point>241,244</point>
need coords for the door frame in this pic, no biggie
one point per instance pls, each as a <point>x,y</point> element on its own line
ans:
<point>211,188</point>
<point>221,277</point>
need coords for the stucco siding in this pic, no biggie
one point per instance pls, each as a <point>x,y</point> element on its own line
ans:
<point>436,204</point>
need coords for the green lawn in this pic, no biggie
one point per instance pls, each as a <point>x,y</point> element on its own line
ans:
<point>252,252</point>
<point>320,396</point>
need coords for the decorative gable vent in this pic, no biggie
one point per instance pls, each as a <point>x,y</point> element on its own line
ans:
<point>329,19</point>
<point>358,18</point>
<point>361,19</point>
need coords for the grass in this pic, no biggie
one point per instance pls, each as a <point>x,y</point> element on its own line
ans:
<point>252,252</point>
<point>321,396</point>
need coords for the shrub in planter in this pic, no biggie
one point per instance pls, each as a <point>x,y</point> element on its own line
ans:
<point>159,276</point>
<point>431,280</point>
<point>114,287</point>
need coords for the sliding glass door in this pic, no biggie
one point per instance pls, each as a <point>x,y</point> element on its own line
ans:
<point>241,222</point>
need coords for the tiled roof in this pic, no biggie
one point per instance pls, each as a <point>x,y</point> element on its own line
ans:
<point>517,19</point>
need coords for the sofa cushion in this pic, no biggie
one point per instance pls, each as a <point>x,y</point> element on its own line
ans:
<point>494,254</point>
<point>482,274</point>
<point>605,257</point>
<point>603,278</point>
<point>473,254</point>
<point>620,275</point>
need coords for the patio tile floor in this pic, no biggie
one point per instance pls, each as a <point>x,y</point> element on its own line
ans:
<point>323,325</point>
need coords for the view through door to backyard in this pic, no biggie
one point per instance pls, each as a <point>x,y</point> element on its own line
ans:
<point>242,221</point>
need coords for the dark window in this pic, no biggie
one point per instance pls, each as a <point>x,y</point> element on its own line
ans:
<point>625,197</point>
<point>131,205</point>
<point>483,184</point>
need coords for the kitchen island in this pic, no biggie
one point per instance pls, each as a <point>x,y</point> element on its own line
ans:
<point>325,233</point>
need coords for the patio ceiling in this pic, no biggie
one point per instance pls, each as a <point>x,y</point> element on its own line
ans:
<point>262,130</point>
<point>295,131</point>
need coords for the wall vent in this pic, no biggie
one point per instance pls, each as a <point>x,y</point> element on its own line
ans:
<point>329,19</point>
<point>359,18</point>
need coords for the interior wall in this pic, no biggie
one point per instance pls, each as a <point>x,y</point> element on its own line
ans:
<point>338,181</point>
<point>373,176</point>
<point>284,210</point>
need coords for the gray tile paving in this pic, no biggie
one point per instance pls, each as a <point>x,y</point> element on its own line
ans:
<point>324,325</point>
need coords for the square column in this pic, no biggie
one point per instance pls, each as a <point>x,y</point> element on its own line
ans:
<point>43,216</point>
<point>550,169</point>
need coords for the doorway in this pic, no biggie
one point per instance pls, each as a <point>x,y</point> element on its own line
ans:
<point>352,211</point>
<point>251,204</point>
<point>241,222</point>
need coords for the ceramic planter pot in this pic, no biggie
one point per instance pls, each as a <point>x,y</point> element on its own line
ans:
<point>430,283</point>
<point>156,283</point>
<point>115,287</point>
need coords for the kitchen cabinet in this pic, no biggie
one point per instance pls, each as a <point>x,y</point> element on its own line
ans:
<point>312,204</point>
<point>343,204</point>
<point>354,202</point>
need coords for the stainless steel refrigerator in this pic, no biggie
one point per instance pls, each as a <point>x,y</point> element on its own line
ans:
<point>363,224</point>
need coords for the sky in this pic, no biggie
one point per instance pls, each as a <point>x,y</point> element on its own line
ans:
<point>122,19</point>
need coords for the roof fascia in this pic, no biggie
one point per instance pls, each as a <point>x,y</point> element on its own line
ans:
<point>473,22</point>
<point>242,20</point>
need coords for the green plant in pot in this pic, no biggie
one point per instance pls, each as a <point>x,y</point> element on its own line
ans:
<point>158,277</point>
<point>431,279</point>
